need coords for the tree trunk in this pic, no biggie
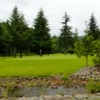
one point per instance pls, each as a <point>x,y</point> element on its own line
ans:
<point>86,61</point>
<point>40,52</point>
<point>14,51</point>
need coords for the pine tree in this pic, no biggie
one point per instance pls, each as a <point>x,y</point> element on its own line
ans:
<point>18,30</point>
<point>41,34</point>
<point>65,39</point>
<point>93,28</point>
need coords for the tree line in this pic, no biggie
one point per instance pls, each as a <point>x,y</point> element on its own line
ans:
<point>16,37</point>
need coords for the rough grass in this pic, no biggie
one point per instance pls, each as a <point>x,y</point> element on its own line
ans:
<point>41,66</point>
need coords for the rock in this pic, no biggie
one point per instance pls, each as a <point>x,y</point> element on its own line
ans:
<point>65,97</point>
<point>10,98</point>
<point>54,87</point>
<point>58,97</point>
<point>20,99</point>
<point>74,94</point>
<point>50,97</point>
<point>34,98</point>
<point>95,97</point>
<point>81,97</point>
<point>86,73</point>
<point>98,94</point>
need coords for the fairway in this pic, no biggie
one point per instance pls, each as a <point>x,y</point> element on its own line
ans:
<point>41,66</point>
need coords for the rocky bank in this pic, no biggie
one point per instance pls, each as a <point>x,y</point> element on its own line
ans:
<point>87,73</point>
<point>74,88</point>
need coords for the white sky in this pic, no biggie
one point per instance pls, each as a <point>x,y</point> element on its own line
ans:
<point>78,10</point>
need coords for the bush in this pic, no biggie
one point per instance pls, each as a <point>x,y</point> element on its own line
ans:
<point>9,90</point>
<point>96,61</point>
<point>93,87</point>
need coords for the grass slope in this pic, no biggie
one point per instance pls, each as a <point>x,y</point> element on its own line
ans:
<point>41,66</point>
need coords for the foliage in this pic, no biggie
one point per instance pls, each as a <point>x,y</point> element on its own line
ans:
<point>10,86</point>
<point>31,85</point>
<point>92,28</point>
<point>65,38</point>
<point>55,46</point>
<point>16,37</point>
<point>9,90</point>
<point>4,40</point>
<point>60,93</point>
<point>65,78</point>
<point>42,36</point>
<point>18,31</point>
<point>90,44</point>
<point>85,47</point>
<point>93,87</point>
<point>96,61</point>
<point>75,34</point>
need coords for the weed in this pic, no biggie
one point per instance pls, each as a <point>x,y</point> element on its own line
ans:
<point>31,85</point>
<point>60,93</point>
<point>65,78</point>
<point>93,87</point>
<point>43,90</point>
<point>9,90</point>
<point>5,93</point>
<point>10,86</point>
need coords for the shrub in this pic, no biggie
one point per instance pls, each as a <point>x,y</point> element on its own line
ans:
<point>93,87</point>
<point>9,90</point>
<point>96,61</point>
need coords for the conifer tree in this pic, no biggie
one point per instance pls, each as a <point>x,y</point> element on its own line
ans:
<point>18,31</point>
<point>65,39</point>
<point>93,28</point>
<point>41,34</point>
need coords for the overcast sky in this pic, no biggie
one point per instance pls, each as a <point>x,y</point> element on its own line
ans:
<point>78,10</point>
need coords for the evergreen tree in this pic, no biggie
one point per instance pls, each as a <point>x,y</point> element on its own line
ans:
<point>31,41</point>
<point>23,35</point>
<point>18,31</point>
<point>41,34</point>
<point>65,39</point>
<point>93,28</point>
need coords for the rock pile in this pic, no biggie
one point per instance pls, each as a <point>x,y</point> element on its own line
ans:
<point>86,74</point>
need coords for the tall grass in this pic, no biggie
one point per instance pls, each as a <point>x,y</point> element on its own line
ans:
<point>41,66</point>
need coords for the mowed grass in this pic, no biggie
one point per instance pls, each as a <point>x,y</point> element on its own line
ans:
<point>41,66</point>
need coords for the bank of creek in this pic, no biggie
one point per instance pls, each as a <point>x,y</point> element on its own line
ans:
<point>42,88</point>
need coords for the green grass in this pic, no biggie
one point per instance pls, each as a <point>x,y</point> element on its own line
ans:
<point>41,66</point>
